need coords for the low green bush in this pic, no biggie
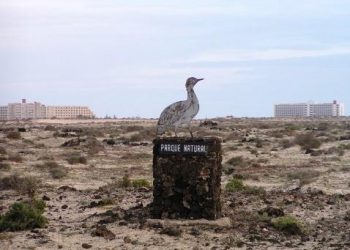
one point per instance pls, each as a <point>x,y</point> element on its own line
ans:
<point>23,216</point>
<point>288,224</point>
<point>234,185</point>
<point>141,183</point>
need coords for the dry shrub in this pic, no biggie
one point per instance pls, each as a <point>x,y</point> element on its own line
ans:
<point>3,151</point>
<point>146,134</point>
<point>76,159</point>
<point>15,158</point>
<point>4,166</point>
<point>58,172</point>
<point>93,132</point>
<point>24,185</point>
<point>237,161</point>
<point>285,143</point>
<point>234,136</point>
<point>124,182</point>
<point>307,141</point>
<point>50,128</point>
<point>132,128</point>
<point>136,156</point>
<point>335,150</point>
<point>304,176</point>
<point>93,146</point>
<point>14,135</point>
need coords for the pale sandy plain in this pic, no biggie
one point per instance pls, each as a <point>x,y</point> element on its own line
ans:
<point>278,174</point>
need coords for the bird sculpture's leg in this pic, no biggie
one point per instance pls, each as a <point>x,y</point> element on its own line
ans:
<point>190,129</point>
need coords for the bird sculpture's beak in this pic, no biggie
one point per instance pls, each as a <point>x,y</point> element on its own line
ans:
<point>200,79</point>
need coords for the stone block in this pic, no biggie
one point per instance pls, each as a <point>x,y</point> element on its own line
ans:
<point>187,178</point>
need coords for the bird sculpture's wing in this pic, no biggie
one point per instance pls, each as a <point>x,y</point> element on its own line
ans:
<point>172,113</point>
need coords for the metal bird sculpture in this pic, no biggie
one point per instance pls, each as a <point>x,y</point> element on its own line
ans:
<point>180,113</point>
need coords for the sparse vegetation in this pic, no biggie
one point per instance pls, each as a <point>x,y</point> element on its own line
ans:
<point>23,216</point>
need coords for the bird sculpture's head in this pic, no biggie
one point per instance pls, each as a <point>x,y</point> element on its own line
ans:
<point>192,81</point>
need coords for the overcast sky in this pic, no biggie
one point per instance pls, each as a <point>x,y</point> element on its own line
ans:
<point>132,58</point>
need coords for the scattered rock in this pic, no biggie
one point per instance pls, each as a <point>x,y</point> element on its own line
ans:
<point>272,211</point>
<point>195,231</point>
<point>171,231</point>
<point>64,206</point>
<point>86,246</point>
<point>347,216</point>
<point>103,231</point>
<point>127,239</point>
<point>72,143</point>
<point>67,188</point>
<point>45,198</point>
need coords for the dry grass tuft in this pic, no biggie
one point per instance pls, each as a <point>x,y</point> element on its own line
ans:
<point>15,158</point>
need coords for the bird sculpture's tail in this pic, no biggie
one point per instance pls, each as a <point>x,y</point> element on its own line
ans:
<point>160,130</point>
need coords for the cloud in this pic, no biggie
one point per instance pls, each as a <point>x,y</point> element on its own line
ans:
<point>264,55</point>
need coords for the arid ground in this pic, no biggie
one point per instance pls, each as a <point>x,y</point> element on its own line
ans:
<point>285,185</point>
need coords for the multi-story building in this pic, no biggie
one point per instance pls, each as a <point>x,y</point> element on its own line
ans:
<point>24,110</point>
<point>36,110</point>
<point>3,113</point>
<point>68,112</point>
<point>292,110</point>
<point>310,110</point>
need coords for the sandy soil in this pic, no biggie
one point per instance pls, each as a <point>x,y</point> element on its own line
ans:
<point>277,173</point>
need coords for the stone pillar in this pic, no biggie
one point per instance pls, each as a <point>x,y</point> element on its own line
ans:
<point>187,178</point>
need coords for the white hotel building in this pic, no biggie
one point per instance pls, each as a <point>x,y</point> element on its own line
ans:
<point>36,110</point>
<point>309,109</point>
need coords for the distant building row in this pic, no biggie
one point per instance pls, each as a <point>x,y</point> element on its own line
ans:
<point>310,109</point>
<point>36,110</point>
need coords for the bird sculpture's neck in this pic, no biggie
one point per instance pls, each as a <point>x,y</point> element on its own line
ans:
<point>191,96</point>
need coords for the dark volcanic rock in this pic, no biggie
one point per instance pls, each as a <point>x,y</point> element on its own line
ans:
<point>102,231</point>
<point>272,211</point>
<point>187,185</point>
<point>71,143</point>
<point>86,246</point>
